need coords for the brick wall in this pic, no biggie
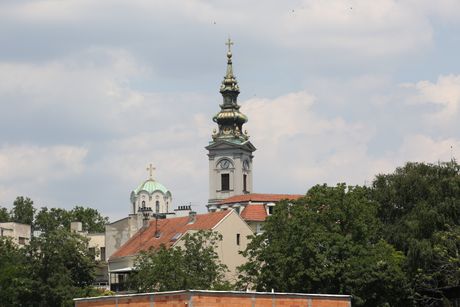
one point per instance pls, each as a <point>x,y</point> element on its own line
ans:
<point>196,298</point>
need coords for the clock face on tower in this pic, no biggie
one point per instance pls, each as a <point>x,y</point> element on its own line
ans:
<point>225,164</point>
<point>246,165</point>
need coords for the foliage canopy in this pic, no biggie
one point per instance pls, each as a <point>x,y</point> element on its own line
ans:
<point>194,264</point>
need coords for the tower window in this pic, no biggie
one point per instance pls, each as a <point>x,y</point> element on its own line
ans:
<point>225,182</point>
<point>238,239</point>
<point>245,181</point>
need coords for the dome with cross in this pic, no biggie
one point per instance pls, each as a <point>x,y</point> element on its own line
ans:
<point>150,186</point>
<point>151,194</point>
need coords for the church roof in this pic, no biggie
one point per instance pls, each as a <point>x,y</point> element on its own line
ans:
<point>170,230</point>
<point>254,213</point>
<point>150,186</point>
<point>262,198</point>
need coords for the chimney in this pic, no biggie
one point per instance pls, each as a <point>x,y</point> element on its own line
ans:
<point>191,217</point>
<point>145,222</point>
<point>76,226</point>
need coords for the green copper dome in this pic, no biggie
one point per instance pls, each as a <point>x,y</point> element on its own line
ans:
<point>151,186</point>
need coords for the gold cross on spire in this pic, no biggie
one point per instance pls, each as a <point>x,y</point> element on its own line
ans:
<point>150,169</point>
<point>229,43</point>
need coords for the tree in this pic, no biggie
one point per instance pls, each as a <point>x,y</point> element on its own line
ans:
<point>4,215</point>
<point>50,219</point>
<point>61,266</point>
<point>23,211</point>
<point>191,265</point>
<point>15,284</point>
<point>91,219</point>
<point>327,242</point>
<point>419,205</point>
<point>159,270</point>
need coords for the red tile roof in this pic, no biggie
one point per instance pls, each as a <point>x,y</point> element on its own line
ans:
<point>265,198</point>
<point>168,228</point>
<point>254,213</point>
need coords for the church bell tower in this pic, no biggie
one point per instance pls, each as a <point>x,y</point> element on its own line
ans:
<point>229,151</point>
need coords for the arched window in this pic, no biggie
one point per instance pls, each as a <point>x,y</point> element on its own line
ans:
<point>143,204</point>
<point>157,206</point>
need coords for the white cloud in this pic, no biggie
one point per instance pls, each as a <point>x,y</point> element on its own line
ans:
<point>359,26</point>
<point>445,93</point>
<point>423,148</point>
<point>35,164</point>
<point>299,147</point>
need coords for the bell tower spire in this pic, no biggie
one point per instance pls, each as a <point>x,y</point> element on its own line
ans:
<point>229,151</point>
<point>230,120</point>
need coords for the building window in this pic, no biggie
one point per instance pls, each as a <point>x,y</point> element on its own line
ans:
<point>238,239</point>
<point>270,210</point>
<point>102,253</point>
<point>143,204</point>
<point>259,228</point>
<point>157,206</point>
<point>245,187</point>
<point>225,182</point>
<point>22,240</point>
<point>92,252</point>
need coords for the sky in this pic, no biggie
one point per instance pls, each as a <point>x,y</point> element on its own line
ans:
<point>91,92</point>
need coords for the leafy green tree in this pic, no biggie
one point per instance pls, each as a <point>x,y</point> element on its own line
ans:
<point>91,219</point>
<point>15,283</point>
<point>419,205</point>
<point>48,220</point>
<point>4,215</point>
<point>191,265</point>
<point>327,242</point>
<point>159,270</point>
<point>61,266</point>
<point>23,211</point>
<point>51,219</point>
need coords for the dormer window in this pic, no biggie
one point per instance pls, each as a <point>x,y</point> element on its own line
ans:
<point>270,208</point>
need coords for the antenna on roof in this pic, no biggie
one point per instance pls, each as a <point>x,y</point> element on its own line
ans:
<point>158,216</point>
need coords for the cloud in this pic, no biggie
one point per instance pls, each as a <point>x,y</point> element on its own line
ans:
<point>444,94</point>
<point>383,28</point>
<point>423,148</point>
<point>29,170</point>
<point>40,163</point>
<point>299,147</point>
